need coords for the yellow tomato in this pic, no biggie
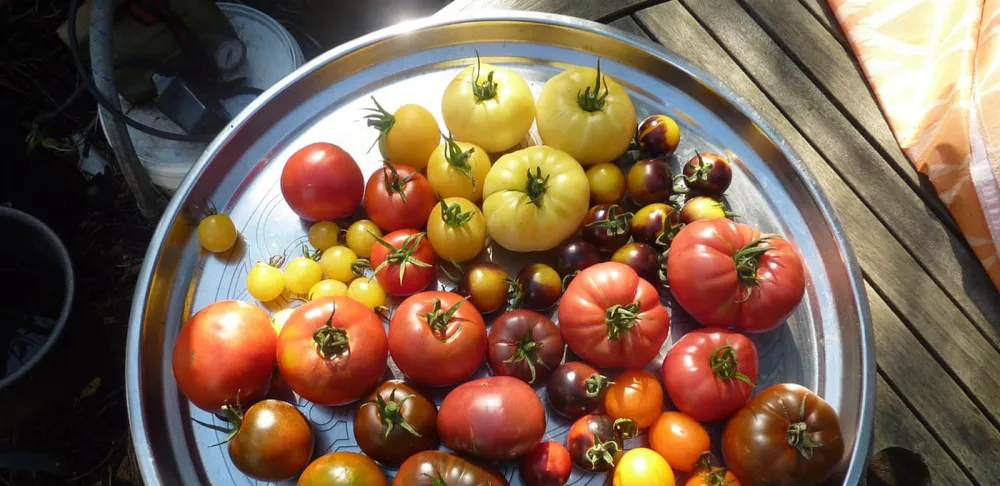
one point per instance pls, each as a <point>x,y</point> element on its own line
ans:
<point>338,263</point>
<point>265,281</point>
<point>301,274</point>
<point>587,114</point>
<point>458,169</point>
<point>407,136</point>
<point>279,319</point>
<point>535,198</point>
<point>643,467</point>
<point>489,106</point>
<point>367,291</point>
<point>323,234</point>
<point>328,288</point>
<point>607,183</point>
<point>456,229</point>
<point>359,237</point>
<point>217,233</point>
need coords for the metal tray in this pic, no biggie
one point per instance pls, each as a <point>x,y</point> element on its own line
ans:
<point>826,345</point>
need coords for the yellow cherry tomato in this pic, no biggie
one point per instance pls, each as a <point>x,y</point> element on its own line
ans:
<point>301,274</point>
<point>456,229</point>
<point>587,114</point>
<point>359,237</point>
<point>535,198</point>
<point>367,291</point>
<point>265,280</point>
<point>279,319</point>
<point>217,233</point>
<point>328,288</point>
<point>324,234</point>
<point>458,169</point>
<point>338,263</point>
<point>489,106</point>
<point>643,467</point>
<point>407,136</point>
<point>607,183</point>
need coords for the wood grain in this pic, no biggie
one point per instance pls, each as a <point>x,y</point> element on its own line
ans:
<point>600,10</point>
<point>821,10</point>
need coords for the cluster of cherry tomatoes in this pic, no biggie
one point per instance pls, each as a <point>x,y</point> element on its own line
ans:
<point>437,206</point>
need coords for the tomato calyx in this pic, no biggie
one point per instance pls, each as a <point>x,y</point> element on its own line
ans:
<point>536,186</point>
<point>666,237</point>
<point>391,412</point>
<point>360,266</point>
<point>620,318</point>
<point>486,90</point>
<point>453,216</point>
<point>593,100</point>
<point>394,183</point>
<point>626,428</point>
<point>330,341</point>
<point>595,384</point>
<point>313,255</point>
<point>699,171</point>
<point>725,365</point>
<point>232,416</point>
<point>436,480</point>
<point>711,475</point>
<point>275,261</point>
<point>401,256</point>
<point>381,120</point>
<point>747,260</point>
<point>798,434</point>
<point>438,318</point>
<point>515,292</point>
<point>526,351</point>
<point>616,222</point>
<point>458,159</point>
<point>602,451</point>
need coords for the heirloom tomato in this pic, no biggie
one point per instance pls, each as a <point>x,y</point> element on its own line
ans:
<point>486,285</point>
<point>728,274</point>
<point>607,226</point>
<point>488,106</point>
<point>224,354</point>
<point>456,229</point>
<point>404,262</point>
<point>650,181</point>
<point>575,255</point>
<point>656,224</point>
<point>395,422</point>
<point>707,173</point>
<point>332,350</point>
<point>458,169</point>
<point>710,373</point>
<point>708,475</point>
<point>535,198</point>
<point>576,389</point>
<point>438,468</point>
<point>612,318</point>
<point>643,258</point>
<point>495,418</point>
<point>587,114</point>
<point>407,136</point>
<point>596,442</point>
<point>217,233</point>
<point>702,208</point>
<point>536,287</point>
<point>785,436</point>
<point>607,183</point>
<point>658,135</point>
<point>320,182</point>
<point>637,395</point>
<point>343,469</point>
<point>398,197</point>
<point>642,467</point>
<point>680,439</point>
<point>272,441</point>
<point>548,464</point>
<point>437,338</point>
<point>524,344</point>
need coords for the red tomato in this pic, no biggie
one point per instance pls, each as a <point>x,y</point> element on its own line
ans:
<point>332,350</point>
<point>437,338</point>
<point>225,349</point>
<point>710,374</point>
<point>399,197</point>
<point>728,274</point>
<point>495,418</point>
<point>322,182</point>
<point>403,261</point>
<point>612,318</point>
<point>547,464</point>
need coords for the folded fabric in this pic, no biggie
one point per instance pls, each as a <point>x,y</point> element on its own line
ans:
<point>934,66</point>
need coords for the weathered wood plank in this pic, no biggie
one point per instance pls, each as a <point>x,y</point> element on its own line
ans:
<point>601,10</point>
<point>873,179</point>
<point>887,265</point>
<point>821,10</point>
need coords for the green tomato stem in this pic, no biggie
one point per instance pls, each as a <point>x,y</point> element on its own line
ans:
<point>486,90</point>
<point>438,318</point>
<point>621,318</point>
<point>592,100</point>
<point>330,341</point>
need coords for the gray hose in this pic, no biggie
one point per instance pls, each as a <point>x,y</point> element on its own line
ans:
<point>102,13</point>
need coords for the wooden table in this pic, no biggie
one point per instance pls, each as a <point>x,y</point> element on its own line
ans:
<point>936,315</point>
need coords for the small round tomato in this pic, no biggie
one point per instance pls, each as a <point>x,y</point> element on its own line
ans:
<point>367,291</point>
<point>656,224</point>
<point>536,287</point>
<point>486,285</point>
<point>643,258</point>
<point>321,182</point>
<point>395,422</point>
<point>650,181</point>
<point>643,467</point>
<point>407,136</point>
<point>217,233</point>
<point>404,262</point>
<point>488,106</point>
<point>495,418</point>
<point>225,354</point>
<point>576,255</point>
<point>595,443</point>
<point>607,226</point>
<point>710,373</point>
<point>338,263</point>
<point>548,464</point>
<point>265,282</point>
<point>437,338</point>
<point>524,344</point>
<point>343,469</point>
<point>316,350</point>
<point>301,273</point>
<point>398,197</point>
<point>637,395</point>
<point>607,183</point>
<point>576,389</point>
<point>702,208</point>
<point>680,439</point>
<point>272,441</point>
<point>279,319</point>
<point>456,229</point>
<point>361,236</point>
<point>658,135</point>
<point>707,475</point>
<point>458,169</point>
<point>327,288</point>
<point>323,234</point>
<point>708,173</point>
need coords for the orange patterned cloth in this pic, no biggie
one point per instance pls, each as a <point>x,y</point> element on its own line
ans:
<point>935,67</point>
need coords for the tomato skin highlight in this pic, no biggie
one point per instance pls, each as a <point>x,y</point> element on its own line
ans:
<point>273,442</point>
<point>322,182</point>
<point>548,464</point>
<point>224,349</point>
<point>695,388</point>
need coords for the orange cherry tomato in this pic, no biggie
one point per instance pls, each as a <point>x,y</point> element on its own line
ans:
<point>680,439</point>
<point>713,477</point>
<point>637,395</point>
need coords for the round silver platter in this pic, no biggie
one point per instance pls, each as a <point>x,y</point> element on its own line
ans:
<point>826,345</point>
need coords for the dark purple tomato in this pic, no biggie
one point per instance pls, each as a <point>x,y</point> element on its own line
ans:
<point>524,344</point>
<point>643,258</point>
<point>595,443</point>
<point>655,221</point>
<point>658,135</point>
<point>702,207</point>
<point>576,389</point>
<point>573,256</point>
<point>607,226</point>
<point>395,422</point>
<point>272,440</point>
<point>536,287</point>
<point>708,173</point>
<point>650,181</point>
<point>548,464</point>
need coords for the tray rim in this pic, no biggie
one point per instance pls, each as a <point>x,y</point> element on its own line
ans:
<point>858,460</point>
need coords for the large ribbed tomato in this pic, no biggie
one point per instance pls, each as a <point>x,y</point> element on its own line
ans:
<point>710,373</point>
